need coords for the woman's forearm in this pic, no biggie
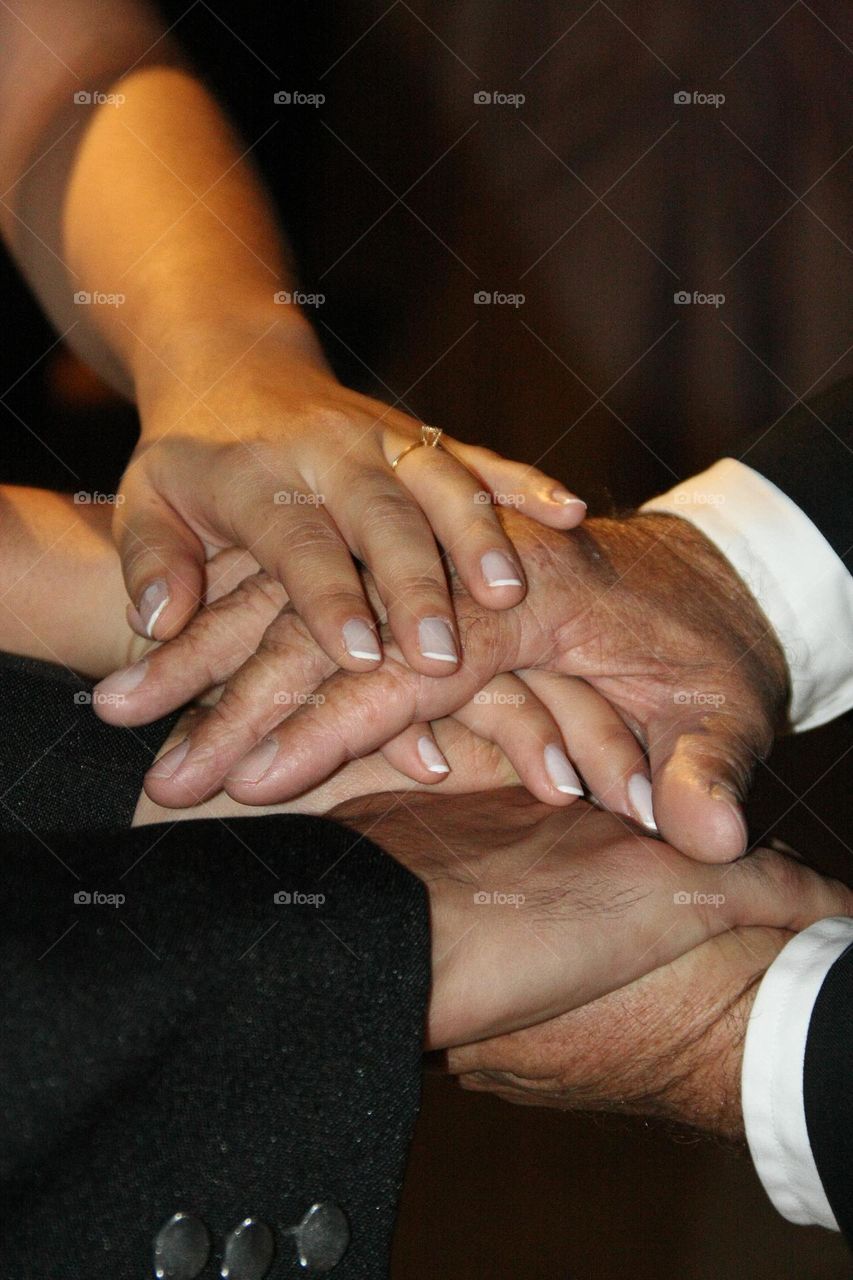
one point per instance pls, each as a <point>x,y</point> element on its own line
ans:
<point>146,203</point>
<point>61,589</point>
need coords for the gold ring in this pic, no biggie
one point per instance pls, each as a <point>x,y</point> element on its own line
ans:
<point>430,439</point>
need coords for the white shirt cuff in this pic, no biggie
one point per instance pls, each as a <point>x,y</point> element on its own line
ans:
<point>800,583</point>
<point>772,1080</point>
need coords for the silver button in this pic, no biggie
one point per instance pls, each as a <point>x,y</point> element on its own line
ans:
<point>322,1237</point>
<point>181,1248</point>
<point>249,1251</point>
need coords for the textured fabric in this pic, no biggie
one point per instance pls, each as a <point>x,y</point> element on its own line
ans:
<point>804,588</point>
<point>200,1046</point>
<point>61,768</point>
<point>172,1037</point>
<point>827,1089</point>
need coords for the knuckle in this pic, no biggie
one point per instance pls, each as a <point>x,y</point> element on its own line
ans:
<point>190,654</point>
<point>411,586</point>
<point>242,713</point>
<point>302,540</point>
<point>773,871</point>
<point>333,598</point>
<point>387,513</point>
<point>484,527</point>
<point>258,598</point>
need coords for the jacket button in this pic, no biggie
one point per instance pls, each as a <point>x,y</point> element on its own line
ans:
<point>248,1252</point>
<point>322,1237</point>
<point>181,1248</point>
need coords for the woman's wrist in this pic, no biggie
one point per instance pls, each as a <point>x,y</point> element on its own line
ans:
<point>192,351</point>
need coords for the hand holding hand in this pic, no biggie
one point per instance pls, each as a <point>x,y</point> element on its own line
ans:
<point>668,1045</point>
<point>536,911</point>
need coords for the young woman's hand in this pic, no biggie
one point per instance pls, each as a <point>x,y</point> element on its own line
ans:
<point>248,440</point>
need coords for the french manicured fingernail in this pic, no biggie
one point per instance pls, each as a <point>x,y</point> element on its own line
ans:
<point>256,763</point>
<point>360,640</point>
<point>431,757</point>
<point>499,571</point>
<point>169,764</point>
<point>724,795</point>
<point>122,682</point>
<point>640,800</point>
<point>565,499</point>
<point>436,640</point>
<point>560,771</point>
<point>152,602</point>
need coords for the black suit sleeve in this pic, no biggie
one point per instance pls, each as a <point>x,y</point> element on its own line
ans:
<point>172,1038</point>
<point>808,454</point>
<point>828,1089</point>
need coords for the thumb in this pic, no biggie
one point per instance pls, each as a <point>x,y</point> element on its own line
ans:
<point>701,766</point>
<point>162,562</point>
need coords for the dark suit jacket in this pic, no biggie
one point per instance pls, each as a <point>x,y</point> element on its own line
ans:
<point>808,454</point>
<point>172,1037</point>
<point>828,1089</point>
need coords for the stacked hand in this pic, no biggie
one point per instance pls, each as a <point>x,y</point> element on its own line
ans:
<point>643,609</point>
<point>602,968</point>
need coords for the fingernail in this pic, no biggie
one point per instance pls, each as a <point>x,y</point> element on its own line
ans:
<point>725,795</point>
<point>360,640</point>
<point>640,800</point>
<point>431,757</point>
<point>256,763</point>
<point>564,498</point>
<point>499,571</point>
<point>561,773</point>
<point>123,681</point>
<point>171,761</point>
<point>436,640</point>
<point>152,602</point>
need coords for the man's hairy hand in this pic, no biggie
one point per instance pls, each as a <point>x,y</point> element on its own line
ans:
<point>670,1045</point>
<point>536,910</point>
